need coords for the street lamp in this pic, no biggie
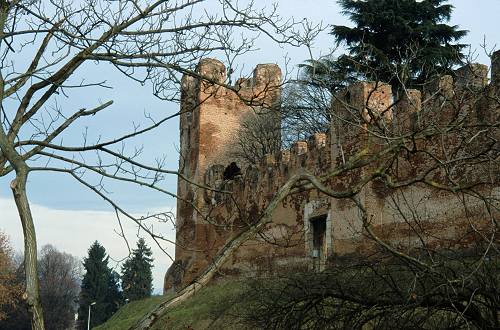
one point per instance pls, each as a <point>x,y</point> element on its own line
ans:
<point>88,318</point>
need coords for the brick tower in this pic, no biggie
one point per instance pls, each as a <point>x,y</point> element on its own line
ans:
<point>210,117</point>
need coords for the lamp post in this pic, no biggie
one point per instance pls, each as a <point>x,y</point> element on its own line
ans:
<point>88,318</point>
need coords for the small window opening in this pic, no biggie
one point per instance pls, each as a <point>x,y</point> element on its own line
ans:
<point>318,225</point>
<point>231,171</point>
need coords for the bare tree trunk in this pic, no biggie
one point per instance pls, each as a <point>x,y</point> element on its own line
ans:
<point>18,186</point>
<point>32,294</point>
<point>233,244</point>
<point>222,256</point>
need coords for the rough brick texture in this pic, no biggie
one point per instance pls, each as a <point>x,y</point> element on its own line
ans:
<point>366,118</point>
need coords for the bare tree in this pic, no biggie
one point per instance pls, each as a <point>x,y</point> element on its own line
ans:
<point>382,294</point>
<point>412,154</point>
<point>415,180</point>
<point>306,107</point>
<point>258,136</point>
<point>60,276</point>
<point>44,46</point>
<point>304,110</point>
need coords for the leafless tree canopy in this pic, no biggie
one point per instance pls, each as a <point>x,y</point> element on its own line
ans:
<point>426,279</point>
<point>46,47</point>
<point>431,258</point>
<point>306,107</point>
<point>383,295</point>
<point>258,136</point>
<point>60,276</point>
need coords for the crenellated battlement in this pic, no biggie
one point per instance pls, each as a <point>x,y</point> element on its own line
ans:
<point>212,113</point>
<point>270,173</point>
<point>356,110</point>
<point>471,76</point>
<point>211,79</point>
<point>366,116</point>
<point>495,68</point>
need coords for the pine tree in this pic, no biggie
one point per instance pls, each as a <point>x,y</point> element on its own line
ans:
<point>399,41</point>
<point>136,273</point>
<point>99,285</point>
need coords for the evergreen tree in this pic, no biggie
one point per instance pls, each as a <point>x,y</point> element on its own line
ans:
<point>99,285</point>
<point>399,41</point>
<point>136,273</point>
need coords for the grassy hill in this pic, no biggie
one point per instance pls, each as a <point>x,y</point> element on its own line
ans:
<point>213,307</point>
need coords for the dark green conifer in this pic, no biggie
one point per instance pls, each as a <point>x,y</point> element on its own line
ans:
<point>136,273</point>
<point>99,285</point>
<point>399,41</point>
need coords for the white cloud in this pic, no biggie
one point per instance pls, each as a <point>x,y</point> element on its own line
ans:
<point>73,231</point>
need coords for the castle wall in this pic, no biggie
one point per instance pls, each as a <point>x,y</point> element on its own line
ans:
<point>495,68</point>
<point>210,118</point>
<point>366,119</point>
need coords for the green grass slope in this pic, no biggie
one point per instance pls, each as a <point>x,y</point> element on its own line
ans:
<point>213,307</point>
<point>130,313</point>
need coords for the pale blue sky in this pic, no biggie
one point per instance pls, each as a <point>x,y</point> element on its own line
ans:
<point>132,99</point>
<point>53,193</point>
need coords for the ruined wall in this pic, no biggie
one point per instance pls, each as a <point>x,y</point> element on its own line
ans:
<point>366,119</point>
<point>210,117</point>
<point>452,108</point>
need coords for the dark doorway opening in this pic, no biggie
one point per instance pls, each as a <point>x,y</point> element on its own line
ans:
<point>318,226</point>
<point>318,230</point>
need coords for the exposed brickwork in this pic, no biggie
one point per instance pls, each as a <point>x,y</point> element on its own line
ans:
<point>495,68</point>
<point>210,117</point>
<point>366,117</point>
